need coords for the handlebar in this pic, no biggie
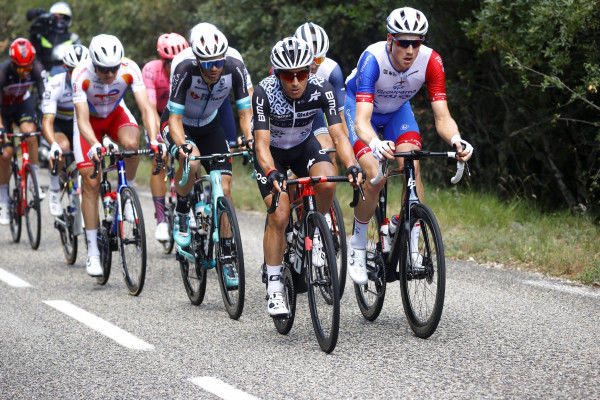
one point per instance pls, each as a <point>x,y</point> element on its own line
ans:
<point>417,155</point>
<point>311,180</point>
<point>210,158</point>
<point>121,154</point>
<point>55,163</point>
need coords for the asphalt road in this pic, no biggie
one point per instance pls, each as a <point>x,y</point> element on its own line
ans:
<point>503,334</point>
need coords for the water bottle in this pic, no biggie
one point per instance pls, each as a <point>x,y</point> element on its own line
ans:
<point>109,205</point>
<point>205,195</point>
<point>386,244</point>
<point>289,236</point>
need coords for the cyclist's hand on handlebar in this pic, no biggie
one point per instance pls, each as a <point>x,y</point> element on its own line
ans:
<point>355,176</point>
<point>96,152</point>
<point>55,152</point>
<point>275,180</point>
<point>184,150</point>
<point>382,149</point>
<point>464,150</point>
<point>108,144</point>
<point>159,148</point>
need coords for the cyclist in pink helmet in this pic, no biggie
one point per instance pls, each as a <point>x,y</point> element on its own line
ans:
<point>156,75</point>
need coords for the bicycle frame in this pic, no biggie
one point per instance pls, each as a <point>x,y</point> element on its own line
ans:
<point>22,205</point>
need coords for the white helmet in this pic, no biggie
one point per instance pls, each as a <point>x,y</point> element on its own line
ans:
<point>61,8</point>
<point>106,51</point>
<point>313,33</point>
<point>407,20</point>
<point>74,54</point>
<point>207,41</point>
<point>291,53</point>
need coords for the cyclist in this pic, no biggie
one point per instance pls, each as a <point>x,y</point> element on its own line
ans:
<point>284,107</point>
<point>198,88</point>
<point>57,124</point>
<point>17,75</point>
<point>225,111</point>
<point>378,92</point>
<point>323,67</point>
<point>156,75</point>
<point>98,88</point>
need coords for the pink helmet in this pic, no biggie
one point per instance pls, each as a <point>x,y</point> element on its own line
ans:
<point>170,44</point>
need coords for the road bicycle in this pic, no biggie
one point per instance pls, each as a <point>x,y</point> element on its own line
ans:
<point>415,258</point>
<point>23,191</point>
<point>299,273</point>
<point>122,222</point>
<point>70,223</point>
<point>216,241</point>
<point>171,202</point>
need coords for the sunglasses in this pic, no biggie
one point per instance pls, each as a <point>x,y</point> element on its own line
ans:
<point>319,60</point>
<point>289,76</point>
<point>405,43</point>
<point>213,63</point>
<point>106,70</point>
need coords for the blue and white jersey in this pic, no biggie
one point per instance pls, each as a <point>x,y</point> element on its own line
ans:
<point>330,71</point>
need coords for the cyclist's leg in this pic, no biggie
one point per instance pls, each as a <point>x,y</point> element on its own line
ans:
<point>158,190</point>
<point>5,172</point>
<point>27,124</point>
<point>124,129</point>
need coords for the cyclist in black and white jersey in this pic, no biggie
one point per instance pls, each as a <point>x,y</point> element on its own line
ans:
<point>284,106</point>
<point>57,123</point>
<point>198,88</point>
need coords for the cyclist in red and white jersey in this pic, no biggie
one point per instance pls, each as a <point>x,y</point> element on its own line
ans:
<point>378,93</point>
<point>17,75</point>
<point>98,89</point>
<point>156,74</point>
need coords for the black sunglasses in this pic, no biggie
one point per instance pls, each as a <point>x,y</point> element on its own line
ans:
<point>405,43</point>
<point>106,70</point>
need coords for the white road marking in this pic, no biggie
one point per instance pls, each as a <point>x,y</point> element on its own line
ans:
<point>581,291</point>
<point>220,388</point>
<point>13,280</point>
<point>98,324</point>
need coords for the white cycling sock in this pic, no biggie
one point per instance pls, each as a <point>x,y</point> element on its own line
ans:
<point>54,183</point>
<point>92,242</point>
<point>4,193</point>
<point>273,285</point>
<point>359,237</point>
<point>414,238</point>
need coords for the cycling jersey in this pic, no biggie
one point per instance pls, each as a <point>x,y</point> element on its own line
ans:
<point>331,72</point>
<point>290,121</point>
<point>157,84</point>
<point>15,90</point>
<point>58,97</point>
<point>375,80</point>
<point>199,103</point>
<point>104,99</point>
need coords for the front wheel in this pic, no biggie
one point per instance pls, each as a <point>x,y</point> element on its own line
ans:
<point>338,234</point>
<point>322,282</point>
<point>132,241</point>
<point>65,224</point>
<point>33,213</point>
<point>14,193</point>
<point>170,214</point>
<point>105,240</point>
<point>282,323</point>
<point>230,259</point>
<point>423,272</point>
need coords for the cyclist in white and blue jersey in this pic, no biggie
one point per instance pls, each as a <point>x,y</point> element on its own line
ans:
<point>378,92</point>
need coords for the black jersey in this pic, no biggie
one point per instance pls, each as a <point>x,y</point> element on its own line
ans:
<point>14,89</point>
<point>196,101</point>
<point>290,121</point>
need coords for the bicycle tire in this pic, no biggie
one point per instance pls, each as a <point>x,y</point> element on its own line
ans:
<point>33,221</point>
<point>68,239</point>
<point>105,248</point>
<point>338,234</point>
<point>283,325</point>
<point>323,279</point>
<point>370,297</point>
<point>134,280</point>
<point>170,214</point>
<point>196,295</point>
<point>234,306</point>
<point>411,278</point>
<point>14,201</point>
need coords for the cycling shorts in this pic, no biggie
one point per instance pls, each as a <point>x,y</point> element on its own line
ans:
<point>399,126</point>
<point>18,113</point>
<point>64,126</point>
<point>208,139</point>
<point>298,158</point>
<point>119,118</point>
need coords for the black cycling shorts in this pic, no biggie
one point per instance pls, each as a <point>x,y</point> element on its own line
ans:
<point>64,126</point>
<point>209,139</point>
<point>298,158</point>
<point>18,114</point>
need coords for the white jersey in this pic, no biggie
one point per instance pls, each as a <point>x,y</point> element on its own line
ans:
<point>58,97</point>
<point>102,98</point>
<point>188,54</point>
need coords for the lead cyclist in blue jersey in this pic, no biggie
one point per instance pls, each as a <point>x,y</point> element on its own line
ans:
<point>378,92</point>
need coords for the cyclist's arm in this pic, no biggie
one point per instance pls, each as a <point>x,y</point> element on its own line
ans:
<point>262,141</point>
<point>149,117</point>
<point>180,83</point>
<point>48,127</point>
<point>446,126</point>
<point>363,127</point>
<point>262,135</point>
<point>330,107</point>
<point>176,128</point>
<point>246,122</point>
<point>49,106</point>
<point>82,113</point>
<point>242,97</point>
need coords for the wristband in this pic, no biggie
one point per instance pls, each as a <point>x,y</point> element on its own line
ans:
<point>269,171</point>
<point>455,138</point>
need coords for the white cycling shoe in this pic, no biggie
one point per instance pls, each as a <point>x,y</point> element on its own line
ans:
<point>162,232</point>
<point>56,209</point>
<point>128,212</point>
<point>318,255</point>
<point>4,216</point>
<point>93,266</point>
<point>357,265</point>
<point>276,305</point>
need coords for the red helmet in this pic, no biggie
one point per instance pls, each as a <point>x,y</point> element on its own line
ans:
<point>170,44</point>
<point>22,52</point>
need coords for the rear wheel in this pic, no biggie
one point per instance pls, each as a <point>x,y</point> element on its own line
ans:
<point>194,279</point>
<point>338,234</point>
<point>423,273</point>
<point>230,259</point>
<point>322,282</point>
<point>14,193</point>
<point>132,242</point>
<point>371,295</point>
<point>65,224</point>
<point>33,213</point>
